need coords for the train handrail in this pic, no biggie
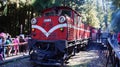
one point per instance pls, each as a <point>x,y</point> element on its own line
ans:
<point>13,44</point>
<point>114,52</point>
<point>115,47</point>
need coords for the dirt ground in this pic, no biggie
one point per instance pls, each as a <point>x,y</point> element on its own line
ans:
<point>94,56</point>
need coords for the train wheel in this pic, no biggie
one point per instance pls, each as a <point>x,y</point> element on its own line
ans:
<point>74,51</point>
<point>63,61</point>
<point>62,64</point>
<point>33,64</point>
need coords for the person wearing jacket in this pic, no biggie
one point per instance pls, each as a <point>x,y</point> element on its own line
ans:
<point>118,38</point>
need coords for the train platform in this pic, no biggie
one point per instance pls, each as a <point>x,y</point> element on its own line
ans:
<point>93,56</point>
<point>14,58</point>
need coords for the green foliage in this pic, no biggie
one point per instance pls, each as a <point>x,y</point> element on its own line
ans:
<point>90,14</point>
<point>115,22</point>
<point>17,14</point>
<point>116,3</point>
<point>109,15</point>
<point>39,5</point>
<point>21,12</point>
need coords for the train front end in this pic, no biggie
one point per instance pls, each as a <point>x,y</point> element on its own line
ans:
<point>49,34</point>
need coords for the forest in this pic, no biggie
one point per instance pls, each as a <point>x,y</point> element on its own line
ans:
<point>16,15</point>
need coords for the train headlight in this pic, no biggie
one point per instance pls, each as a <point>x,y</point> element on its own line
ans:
<point>62,29</point>
<point>33,21</point>
<point>61,19</point>
<point>33,29</point>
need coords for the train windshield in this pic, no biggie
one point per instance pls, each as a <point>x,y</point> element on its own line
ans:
<point>58,13</point>
<point>49,13</point>
<point>66,12</point>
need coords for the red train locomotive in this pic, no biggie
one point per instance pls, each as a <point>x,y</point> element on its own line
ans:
<point>56,35</point>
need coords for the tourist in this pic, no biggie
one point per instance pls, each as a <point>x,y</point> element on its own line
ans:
<point>16,45</point>
<point>118,38</point>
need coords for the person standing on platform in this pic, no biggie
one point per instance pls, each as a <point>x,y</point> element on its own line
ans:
<point>3,36</point>
<point>8,48</point>
<point>16,45</point>
<point>118,38</point>
<point>1,48</point>
<point>22,46</point>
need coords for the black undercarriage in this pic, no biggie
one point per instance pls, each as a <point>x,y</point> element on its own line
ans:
<point>51,52</point>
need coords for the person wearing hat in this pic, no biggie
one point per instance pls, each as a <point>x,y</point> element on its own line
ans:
<point>2,42</point>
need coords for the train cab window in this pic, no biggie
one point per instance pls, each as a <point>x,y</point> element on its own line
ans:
<point>66,12</point>
<point>50,13</point>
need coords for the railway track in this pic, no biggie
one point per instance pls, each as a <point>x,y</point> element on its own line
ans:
<point>94,56</point>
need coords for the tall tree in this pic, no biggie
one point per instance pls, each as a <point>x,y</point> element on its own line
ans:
<point>39,5</point>
<point>116,3</point>
<point>90,14</point>
<point>19,14</point>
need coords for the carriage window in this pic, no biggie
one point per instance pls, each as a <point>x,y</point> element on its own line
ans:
<point>50,13</point>
<point>75,18</point>
<point>66,12</point>
<point>79,20</point>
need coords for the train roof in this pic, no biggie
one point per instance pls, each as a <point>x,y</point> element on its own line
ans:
<point>60,7</point>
